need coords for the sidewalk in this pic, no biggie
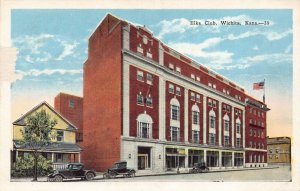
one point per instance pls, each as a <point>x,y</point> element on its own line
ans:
<point>142,173</point>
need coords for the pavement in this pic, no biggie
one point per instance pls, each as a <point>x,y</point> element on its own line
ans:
<point>143,173</point>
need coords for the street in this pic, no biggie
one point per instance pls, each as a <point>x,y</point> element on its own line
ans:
<point>282,173</point>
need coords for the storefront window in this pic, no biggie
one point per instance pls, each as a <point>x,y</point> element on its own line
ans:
<point>212,158</point>
<point>226,159</point>
<point>239,159</point>
<point>175,158</point>
<point>195,156</point>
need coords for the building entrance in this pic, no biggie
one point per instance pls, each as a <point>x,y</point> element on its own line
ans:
<point>144,158</point>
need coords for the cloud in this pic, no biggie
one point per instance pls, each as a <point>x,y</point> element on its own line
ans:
<point>267,58</point>
<point>68,50</point>
<point>198,50</point>
<point>44,47</point>
<point>181,25</point>
<point>35,72</point>
<point>270,35</point>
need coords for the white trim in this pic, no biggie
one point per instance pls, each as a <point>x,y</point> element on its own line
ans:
<point>162,108</point>
<point>220,124</point>
<point>126,108</point>
<point>126,37</point>
<point>186,114</point>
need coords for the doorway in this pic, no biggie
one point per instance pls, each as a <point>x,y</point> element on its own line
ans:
<point>144,158</point>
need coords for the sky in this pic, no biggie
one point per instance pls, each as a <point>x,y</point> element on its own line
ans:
<point>52,47</point>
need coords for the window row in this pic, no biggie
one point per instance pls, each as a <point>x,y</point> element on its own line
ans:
<point>177,68</point>
<point>140,77</point>
<point>197,78</point>
<point>256,158</point>
<point>256,145</point>
<point>172,89</point>
<point>226,108</point>
<point>140,100</point>
<point>257,133</point>
<point>258,113</point>
<point>258,123</point>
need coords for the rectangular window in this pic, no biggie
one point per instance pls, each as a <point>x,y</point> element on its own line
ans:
<point>250,144</point>
<point>210,102</point>
<point>71,103</point>
<point>238,128</point>
<point>214,104</point>
<point>262,124</point>
<point>140,99</point>
<point>227,92</point>
<point>149,101</point>
<point>60,136</point>
<point>212,139</point>
<point>198,79</point>
<point>226,125</point>
<point>226,141</point>
<point>140,75</point>
<point>171,66</point>
<point>224,91</point>
<point>209,84</point>
<point>258,113</point>
<point>214,86</point>
<point>192,96</point>
<point>178,91</point>
<point>175,112</point>
<point>144,130</point>
<point>171,88</point>
<point>198,98</point>
<point>250,158</point>
<point>193,76</point>
<point>254,112</point>
<point>238,142</point>
<point>174,134</point>
<point>195,117</point>
<point>178,69</point>
<point>149,79</point>
<point>195,136</point>
<point>254,133</point>
<point>212,121</point>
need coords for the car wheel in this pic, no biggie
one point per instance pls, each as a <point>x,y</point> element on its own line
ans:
<point>58,178</point>
<point>131,174</point>
<point>89,176</point>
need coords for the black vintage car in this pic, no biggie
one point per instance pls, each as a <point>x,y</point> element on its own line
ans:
<point>73,170</point>
<point>199,167</point>
<point>119,168</point>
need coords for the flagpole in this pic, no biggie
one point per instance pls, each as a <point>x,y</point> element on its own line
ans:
<point>264,98</point>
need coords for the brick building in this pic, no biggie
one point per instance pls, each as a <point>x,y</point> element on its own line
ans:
<point>158,109</point>
<point>279,150</point>
<point>71,107</point>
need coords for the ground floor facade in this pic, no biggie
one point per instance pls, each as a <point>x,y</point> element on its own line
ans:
<point>59,159</point>
<point>163,156</point>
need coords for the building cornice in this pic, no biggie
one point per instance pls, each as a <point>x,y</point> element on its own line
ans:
<point>186,144</point>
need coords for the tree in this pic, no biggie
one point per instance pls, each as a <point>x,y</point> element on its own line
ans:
<point>37,135</point>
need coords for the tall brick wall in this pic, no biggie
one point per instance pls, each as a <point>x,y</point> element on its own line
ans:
<point>73,113</point>
<point>102,96</point>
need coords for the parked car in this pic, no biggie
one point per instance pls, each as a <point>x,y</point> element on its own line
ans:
<point>73,170</point>
<point>119,168</point>
<point>199,167</point>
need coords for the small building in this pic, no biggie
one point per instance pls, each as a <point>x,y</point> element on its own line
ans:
<point>63,148</point>
<point>279,150</point>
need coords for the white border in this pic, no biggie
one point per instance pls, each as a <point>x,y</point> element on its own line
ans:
<point>7,5</point>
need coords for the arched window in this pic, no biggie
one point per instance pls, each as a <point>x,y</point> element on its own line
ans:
<point>238,125</point>
<point>144,126</point>
<point>212,125</point>
<point>175,109</point>
<point>226,122</point>
<point>195,115</point>
<point>212,119</point>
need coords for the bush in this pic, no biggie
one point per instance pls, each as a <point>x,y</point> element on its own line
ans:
<point>24,166</point>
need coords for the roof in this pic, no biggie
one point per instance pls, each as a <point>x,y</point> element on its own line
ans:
<point>55,146</point>
<point>21,120</point>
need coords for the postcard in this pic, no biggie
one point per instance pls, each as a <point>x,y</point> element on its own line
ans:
<point>158,97</point>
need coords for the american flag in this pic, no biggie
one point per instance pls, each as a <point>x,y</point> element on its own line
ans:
<point>258,85</point>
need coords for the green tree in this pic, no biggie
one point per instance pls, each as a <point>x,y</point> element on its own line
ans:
<point>37,135</point>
